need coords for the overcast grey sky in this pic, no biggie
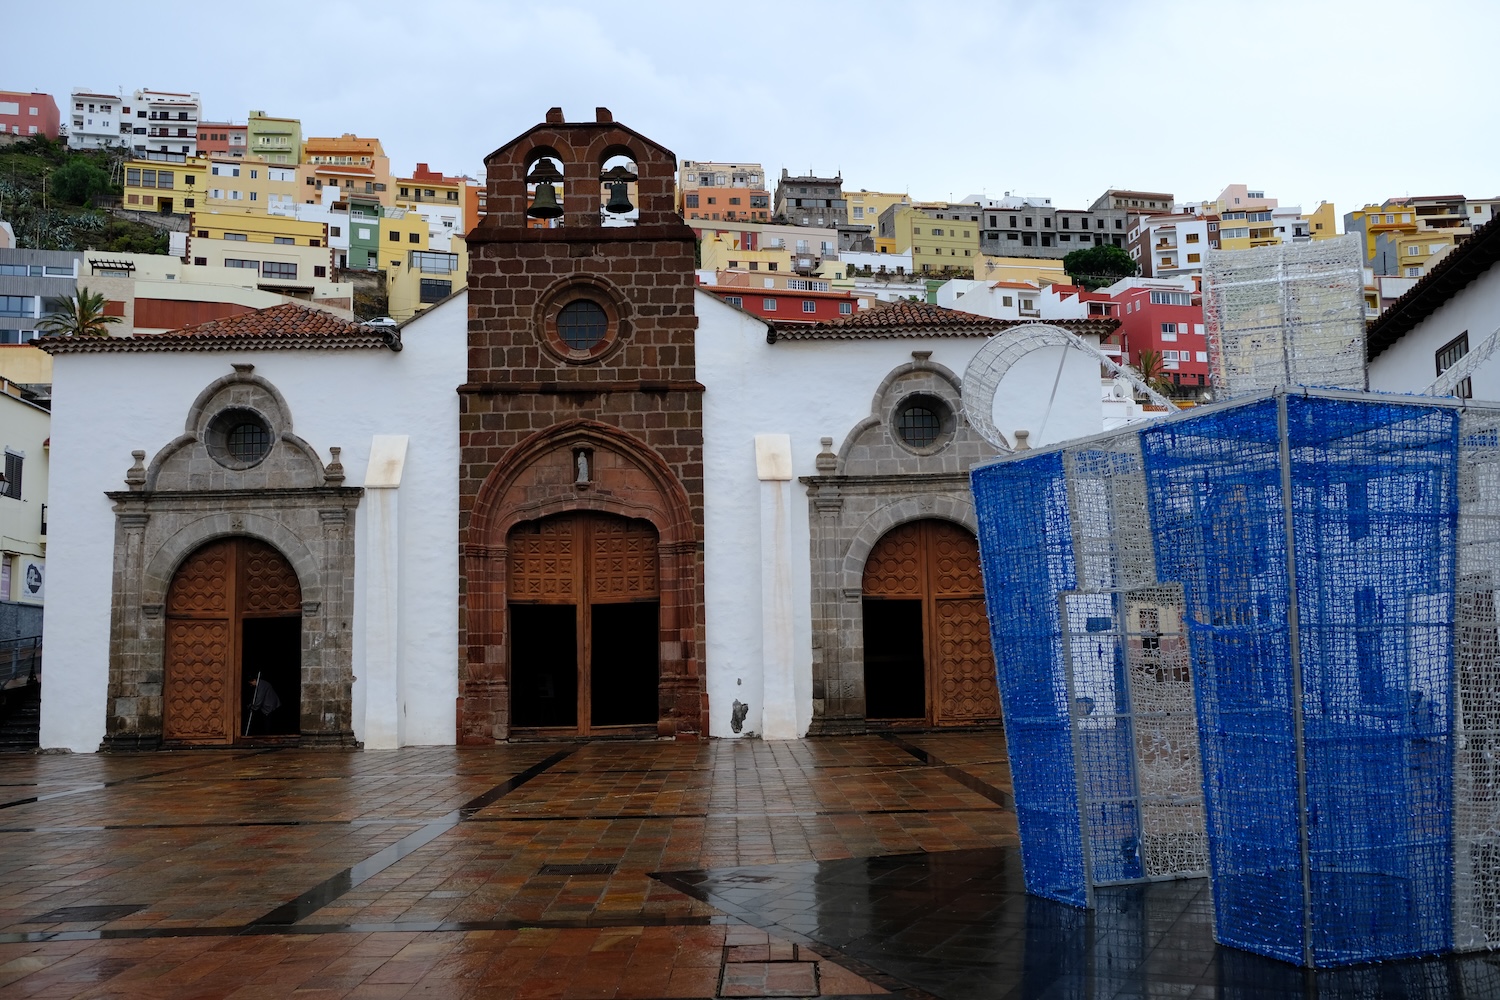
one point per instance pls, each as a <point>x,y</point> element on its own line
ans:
<point>1344,101</point>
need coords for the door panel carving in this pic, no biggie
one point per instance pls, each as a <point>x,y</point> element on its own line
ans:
<point>268,581</point>
<point>937,563</point>
<point>198,694</point>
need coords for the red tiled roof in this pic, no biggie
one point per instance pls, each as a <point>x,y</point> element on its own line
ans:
<point>920,319</point>
<point>288,326</point>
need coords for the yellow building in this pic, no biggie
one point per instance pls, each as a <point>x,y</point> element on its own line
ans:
<point>725,252</point>
<point>937,243</point>
<point>249,185</point>
<point>865,206</point>
<point>163,187</point>
<point>289,255</point>
<point>1418,251</point>
<point>1039,271</point>
<point>1322,222</point>
<point>424,277</point>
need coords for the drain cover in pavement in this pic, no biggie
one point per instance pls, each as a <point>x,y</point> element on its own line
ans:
<point>71,914</point>
<point>577,870</point>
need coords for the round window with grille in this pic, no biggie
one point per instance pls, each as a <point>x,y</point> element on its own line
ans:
<point>582,325</point>
<point>239,438</point>
<point>923,423</point>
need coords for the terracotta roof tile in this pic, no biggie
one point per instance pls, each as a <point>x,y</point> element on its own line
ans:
<point>287,326</point>
<point>920,319</point>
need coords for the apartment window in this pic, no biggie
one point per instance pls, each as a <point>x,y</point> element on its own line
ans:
<point>395,236</point>
<point>284,240</point>
<point>1449,354</point>
<point>1413,272</point>
<point>1195,258</point>
<point>937,232</point>
<point>1413,251</point>
<point>320,271</point>
<point>917,231</point>
<point>15,305</point>
<point>1171,299</point>
<point>1013,221</point>
<point>200,261</point>
<point>434,290</point>
<point>809,306</point>
<point>846,308</point>
<point>432,261</point>
<point>335,231</point>
<point>692,200</point>
<point>1192,238</point>
<point>235,236</point>
<point>769,305</point>
<point>734,300</point>
<point>414,237</point>
<point>278,269</point>
<point>1099,223</point>
<point>253,265</point>
<point>13,463</point>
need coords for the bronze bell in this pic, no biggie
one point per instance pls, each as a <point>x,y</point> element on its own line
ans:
<point>544,203</point>
<point>618,180</point>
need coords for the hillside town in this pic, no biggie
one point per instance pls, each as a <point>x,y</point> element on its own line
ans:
<point>590,454</point>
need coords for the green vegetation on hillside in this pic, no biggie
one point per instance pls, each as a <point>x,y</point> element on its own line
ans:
<point>47,194</point>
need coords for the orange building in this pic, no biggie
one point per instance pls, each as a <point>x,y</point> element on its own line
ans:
<point>730,192</point>
<point>357,166</point>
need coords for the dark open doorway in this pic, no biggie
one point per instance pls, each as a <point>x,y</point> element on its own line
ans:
<point>625,664</point>
<point>544,649</point>
<point>271,648</point>
<point>895,672</point>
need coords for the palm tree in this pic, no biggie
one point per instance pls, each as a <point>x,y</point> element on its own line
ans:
<point>1153,370</point>
<point>79,316</point>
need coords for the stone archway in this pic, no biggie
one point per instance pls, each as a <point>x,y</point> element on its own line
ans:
<point>588,470</point>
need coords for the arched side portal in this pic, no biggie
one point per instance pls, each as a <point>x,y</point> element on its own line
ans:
<point>239,478</point>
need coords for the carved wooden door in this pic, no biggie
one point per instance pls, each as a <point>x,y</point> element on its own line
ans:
<point>213,591</point>
<point>583,595</point>
<point>923,576</point>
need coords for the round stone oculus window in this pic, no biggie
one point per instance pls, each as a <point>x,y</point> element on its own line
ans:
<point>923,423</point>
<point>238,438</point>
<point>582,325</point>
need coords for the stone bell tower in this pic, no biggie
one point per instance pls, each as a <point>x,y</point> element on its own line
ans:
<point>581,475</point>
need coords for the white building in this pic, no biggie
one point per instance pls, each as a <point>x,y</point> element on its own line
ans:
<point>98,121</point>
<point>1169,246</point>
<point>348,475</point>
<point>165,125</point>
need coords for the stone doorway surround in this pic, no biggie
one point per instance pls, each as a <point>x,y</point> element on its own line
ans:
<point>190,494</point>
<point>873,483</point>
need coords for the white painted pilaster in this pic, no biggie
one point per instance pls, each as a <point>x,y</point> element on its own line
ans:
<point>385,727</point>
<point>773,467</point>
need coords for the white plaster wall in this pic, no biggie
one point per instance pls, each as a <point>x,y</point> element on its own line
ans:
<point>810,390</point>
<point>105,405</point>
<point>1410,364</point>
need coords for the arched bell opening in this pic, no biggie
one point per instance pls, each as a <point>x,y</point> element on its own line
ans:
<point>619,193</point>
<point>232,663</point>
<point>544,189</point>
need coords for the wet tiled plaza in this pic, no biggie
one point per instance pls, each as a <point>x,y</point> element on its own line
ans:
<point>830,867</point>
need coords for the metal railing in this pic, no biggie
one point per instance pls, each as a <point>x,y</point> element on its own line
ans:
<point>20,660</point>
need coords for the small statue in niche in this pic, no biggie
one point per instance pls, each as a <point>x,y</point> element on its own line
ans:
<point>581,465</point>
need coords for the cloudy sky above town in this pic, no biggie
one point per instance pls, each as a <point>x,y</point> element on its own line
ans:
<point>1344,101</point>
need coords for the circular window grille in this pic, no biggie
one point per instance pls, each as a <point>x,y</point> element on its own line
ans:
<point>238,438</point>
<point>248,442</point>
<point>582,325</point>
<point>919,425</point>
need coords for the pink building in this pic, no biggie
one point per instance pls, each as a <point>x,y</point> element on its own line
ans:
<point>28,114</point>
<point>1167,318</point>
<point>222,139</point>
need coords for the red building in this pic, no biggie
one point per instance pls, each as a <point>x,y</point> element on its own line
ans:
<point>1167,319</point>
<point>222,139</point>
<point>28,114</point>
<point>787,305</point>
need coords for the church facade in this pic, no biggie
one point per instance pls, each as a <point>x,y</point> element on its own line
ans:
<point>579,499</point>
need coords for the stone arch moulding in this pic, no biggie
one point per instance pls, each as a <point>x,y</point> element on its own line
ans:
<point>892,515</point>
<point>535,480</point>
<point>211,527</point>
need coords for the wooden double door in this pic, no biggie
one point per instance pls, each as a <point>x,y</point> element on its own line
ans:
<point>234,612</point>
<point>927,643</point>
<point>584,604</point>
